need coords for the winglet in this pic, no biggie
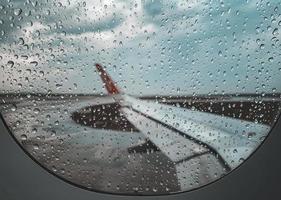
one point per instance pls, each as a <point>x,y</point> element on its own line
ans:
<point>107,80</point>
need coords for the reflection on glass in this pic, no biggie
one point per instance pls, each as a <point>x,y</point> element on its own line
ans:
<point>142,97</point>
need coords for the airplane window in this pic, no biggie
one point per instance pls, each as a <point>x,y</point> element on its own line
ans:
<point>140,97</point>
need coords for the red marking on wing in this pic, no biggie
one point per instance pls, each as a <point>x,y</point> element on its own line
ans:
<point>107,80</point>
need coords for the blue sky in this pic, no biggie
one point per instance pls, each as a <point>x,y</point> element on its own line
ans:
<point>148,46</point>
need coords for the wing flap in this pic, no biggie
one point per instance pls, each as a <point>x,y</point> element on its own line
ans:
<point>194,171</point>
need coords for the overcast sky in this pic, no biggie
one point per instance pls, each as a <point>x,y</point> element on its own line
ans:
<point>147,46</point>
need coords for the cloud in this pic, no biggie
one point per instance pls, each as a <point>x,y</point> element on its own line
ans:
<point>191,46</point>
<point>153,7</point>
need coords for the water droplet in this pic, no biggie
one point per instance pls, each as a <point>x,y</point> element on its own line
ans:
<point>54,169</point>
<point>35,63</point>
<point>270,59</point>
<point>23,137</point>
<point>36,147</point>
<point>13,108</point>
<point>21,41</point>
<point>17,11</point>
<point>34,130</point>
<point>11,63</point>
<point>36,110</point>
<point>251,134</point>
<point>275,31</point>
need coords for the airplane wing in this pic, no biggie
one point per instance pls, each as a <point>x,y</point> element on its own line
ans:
<point>224,135</point>
<point>182,133</point>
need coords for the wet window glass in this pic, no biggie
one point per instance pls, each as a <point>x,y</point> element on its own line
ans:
<point>140,97</point>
